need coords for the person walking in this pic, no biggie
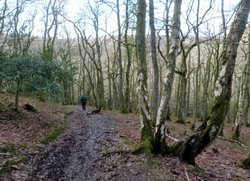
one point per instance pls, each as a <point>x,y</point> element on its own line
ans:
<point>84,101</point>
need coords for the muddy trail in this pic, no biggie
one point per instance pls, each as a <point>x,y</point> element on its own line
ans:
<point>95,147</point>
<point>79,153</point>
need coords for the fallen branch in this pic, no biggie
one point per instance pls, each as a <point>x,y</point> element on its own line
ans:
<point>186,174</point>
<point>172,138</point>
<point>234,141</point>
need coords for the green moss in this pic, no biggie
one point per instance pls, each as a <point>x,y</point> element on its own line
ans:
<point>6,167</point>
<point>147,139</point>
<point>152,162</point>
<point>10,148</point>
<point>192,127</point>
<point>67,110</point>
<point>54,134</point>
<point>240,178</point>
<point>235,137</point>
<point>176,148</point>
<point>236,133</point>
<point>245,164</point>
<point>145,146</point>
<point>180,121</point>
<point>128,142</point>
<point>17,116</point>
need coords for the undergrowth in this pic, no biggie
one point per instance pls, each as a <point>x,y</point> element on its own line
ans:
<point>54,134</point>
<point>9,148</point>
<point>7,166</point>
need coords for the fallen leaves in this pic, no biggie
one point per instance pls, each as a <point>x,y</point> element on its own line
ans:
<point>96,145</point>
<point>21,132</point>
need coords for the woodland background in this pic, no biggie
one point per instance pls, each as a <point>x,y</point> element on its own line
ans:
<point>67,60</point>
<point>183,66</point>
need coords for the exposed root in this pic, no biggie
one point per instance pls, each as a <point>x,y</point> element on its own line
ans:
<point>234,141</point>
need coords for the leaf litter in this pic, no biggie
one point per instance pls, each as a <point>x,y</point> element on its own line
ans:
<point>96,147</point>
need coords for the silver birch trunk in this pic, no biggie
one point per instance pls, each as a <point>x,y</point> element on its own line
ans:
<point>240,111</point>
<point>145,118</point>
<point>247,87</point>
<point>121,98</point>
<point>160,141</point>
<point>155,96</point>
<point>209,130</point>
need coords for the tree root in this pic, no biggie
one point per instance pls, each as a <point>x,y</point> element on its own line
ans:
<point>234,141</point>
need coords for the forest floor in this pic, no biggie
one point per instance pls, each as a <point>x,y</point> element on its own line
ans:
<point>95,147</point>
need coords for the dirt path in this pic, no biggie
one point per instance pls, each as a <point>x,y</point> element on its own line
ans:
<point>89,151</point>
<point>78,154</point>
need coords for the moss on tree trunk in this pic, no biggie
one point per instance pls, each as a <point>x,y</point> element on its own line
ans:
<point>147,140</point>
<point>210,128</point>
<point>246,163</point>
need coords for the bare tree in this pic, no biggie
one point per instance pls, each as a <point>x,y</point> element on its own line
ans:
<point>243,95</point>
<point>52,11</point>
<point>160,141</point>
<point>146,122</point>
<point>100,80</point>
<point>121,97</point>
<point>155,96</point>
<point>210,128</point>
<point>154,140</point>
<point>129,52</point>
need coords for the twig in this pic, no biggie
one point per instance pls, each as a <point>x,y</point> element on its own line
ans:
<point>234,141</point>
<point>172,138</point>
<point>188,179</point>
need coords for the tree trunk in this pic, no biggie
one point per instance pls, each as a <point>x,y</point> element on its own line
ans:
<point>182,112</point>
<point>240,111</point>
<point>129,61</point>
<point>121,98</point>
<point>18,82</point>
<point>146,122</point>
<point>247,84</point>
<point>224,27</point>
<point>207,76</point>
<point>154,61</point>
<point>197,72</point>
<point>208,131</point>
<point>160,141</point>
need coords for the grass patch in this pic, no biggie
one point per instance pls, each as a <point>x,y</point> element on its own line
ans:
<point>245,164</point>
<point>67,110</point>
<point>7,166</point>
<point>152,162</point>
<point>54,134</point>
<point>128,142</point>
<point>180,121</point>
<point>12,115</point>
<point>240,179</point>
<point>9,148</point>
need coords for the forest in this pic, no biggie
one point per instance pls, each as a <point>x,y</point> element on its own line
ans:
<point>169,63</point>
